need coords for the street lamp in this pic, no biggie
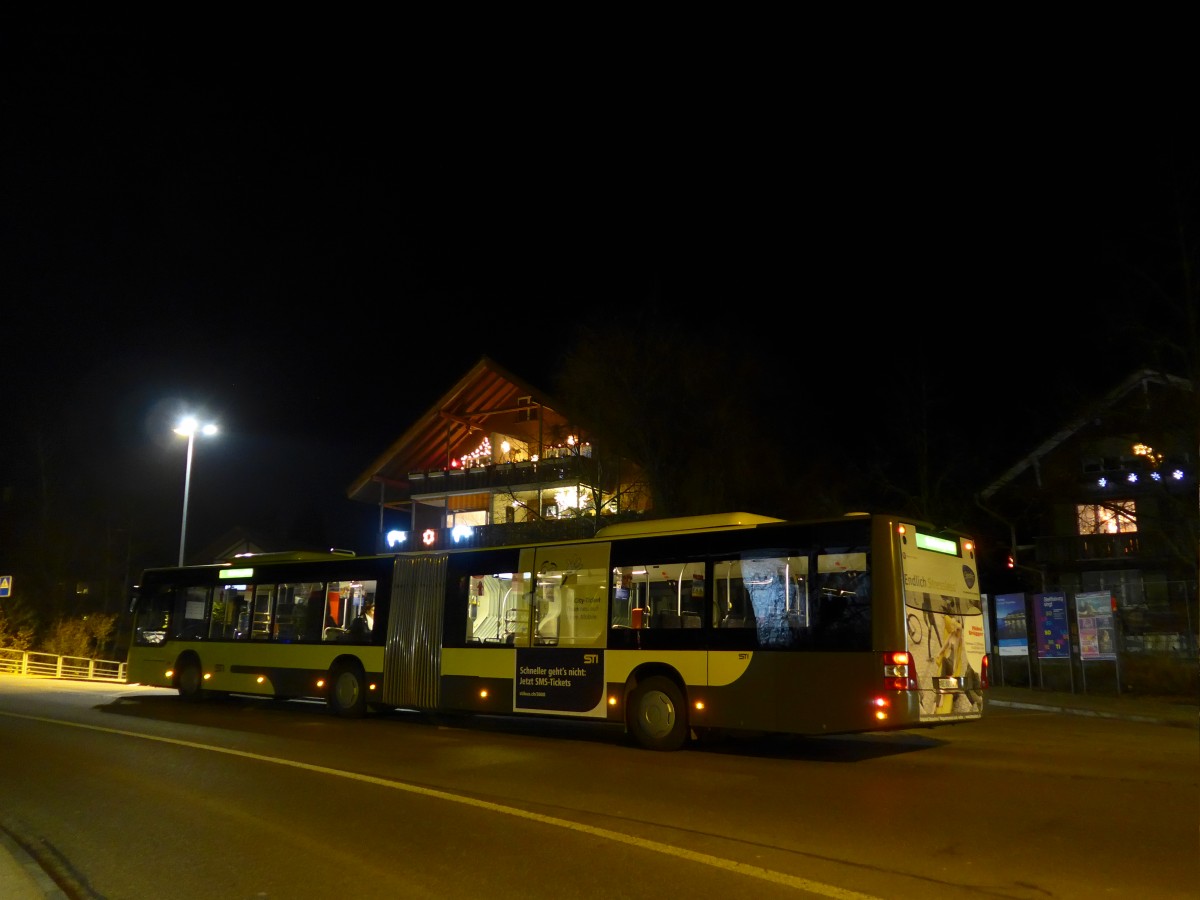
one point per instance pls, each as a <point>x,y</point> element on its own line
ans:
<point>188,428</point>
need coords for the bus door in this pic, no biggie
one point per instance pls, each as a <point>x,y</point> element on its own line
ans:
<point>561,630</point>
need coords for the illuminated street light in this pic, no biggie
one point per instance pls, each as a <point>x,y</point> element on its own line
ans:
<point>188,428</point>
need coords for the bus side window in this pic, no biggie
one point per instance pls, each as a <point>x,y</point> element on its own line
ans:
<point>224,615</point>
<point>622,582</point>
<point>191,613</point>
<point>843,615</point>
<point>484,593</point>
<point>479,604</point>
<point>244,618</point>
<point>311,610</point>
<point>475,608</point>
<point>731,600</point>
<point>260,618</point>
<point>763,580</point>
<point>335,611</point>
<point>285,606</point>
<point>684,605</point>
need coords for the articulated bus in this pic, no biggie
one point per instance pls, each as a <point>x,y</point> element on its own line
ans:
<point>674,628</point>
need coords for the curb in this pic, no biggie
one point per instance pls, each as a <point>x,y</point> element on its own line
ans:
<point>1098,713</point>
<point>41,885</point>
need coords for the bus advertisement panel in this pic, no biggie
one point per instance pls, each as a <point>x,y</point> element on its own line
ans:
<point>945,625</point>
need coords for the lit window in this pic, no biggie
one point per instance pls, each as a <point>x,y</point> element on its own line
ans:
<point>1115,517</point>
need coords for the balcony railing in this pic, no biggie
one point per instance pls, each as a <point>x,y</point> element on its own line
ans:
<point>1140,547</point>
<point>500,475</point>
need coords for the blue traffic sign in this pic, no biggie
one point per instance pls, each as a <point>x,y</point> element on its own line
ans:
<point>5,585</point>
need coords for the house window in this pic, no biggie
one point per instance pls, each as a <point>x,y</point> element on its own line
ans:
<point>473,517</point>
<point>1113,517</point>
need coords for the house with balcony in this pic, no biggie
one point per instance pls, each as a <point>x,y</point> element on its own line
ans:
<point>1108,503</point>
<point>495,460</point>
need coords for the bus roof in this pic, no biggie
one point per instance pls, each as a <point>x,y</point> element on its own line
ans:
<point>714,522</point>
<point>292,555</point>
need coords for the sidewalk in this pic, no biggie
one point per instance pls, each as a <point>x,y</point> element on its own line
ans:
<point>1183,712</point>
<point>21,878</point>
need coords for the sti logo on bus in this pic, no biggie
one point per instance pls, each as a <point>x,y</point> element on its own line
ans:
<point>591,658</point>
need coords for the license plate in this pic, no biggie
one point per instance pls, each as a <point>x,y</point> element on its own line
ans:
<point>948,684</point>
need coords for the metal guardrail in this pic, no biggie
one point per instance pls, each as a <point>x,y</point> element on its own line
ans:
<point>51,665</point>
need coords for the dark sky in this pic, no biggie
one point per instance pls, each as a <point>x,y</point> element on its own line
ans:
<point>311,233</point>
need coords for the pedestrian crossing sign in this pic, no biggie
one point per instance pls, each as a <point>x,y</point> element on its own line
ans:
<point>5,586</point>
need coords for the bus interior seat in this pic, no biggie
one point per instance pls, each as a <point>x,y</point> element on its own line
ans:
<point>668,618</point>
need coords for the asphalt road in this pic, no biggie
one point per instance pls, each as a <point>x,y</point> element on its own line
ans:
<point>114,786</point>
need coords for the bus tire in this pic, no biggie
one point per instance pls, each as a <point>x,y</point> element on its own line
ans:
<point>657,714</point>
<point>347,695</point>
<point>189,680</point>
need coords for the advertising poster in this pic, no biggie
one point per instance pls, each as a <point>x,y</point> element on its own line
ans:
<point>1010,625</point>
<point>1050,621</point>
<point>1097,632</point>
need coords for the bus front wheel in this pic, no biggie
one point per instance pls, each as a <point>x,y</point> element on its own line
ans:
<point>657,715</point>
<point>347,692</point>
<point>189,681</point>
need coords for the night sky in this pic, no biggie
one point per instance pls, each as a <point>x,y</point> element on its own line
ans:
<point>309,234</point>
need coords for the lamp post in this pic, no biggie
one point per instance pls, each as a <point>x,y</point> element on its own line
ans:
<point>188,428</point>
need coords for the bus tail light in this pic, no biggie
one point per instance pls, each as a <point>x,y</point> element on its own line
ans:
<point>984,676</point>
<point>899,673</point>
<point>881,708</point>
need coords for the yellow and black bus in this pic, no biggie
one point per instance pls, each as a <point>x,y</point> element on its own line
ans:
<point>673,627</point>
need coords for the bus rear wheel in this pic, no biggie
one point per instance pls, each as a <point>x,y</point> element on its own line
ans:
<point>657,715</point>
<point>347,691</point>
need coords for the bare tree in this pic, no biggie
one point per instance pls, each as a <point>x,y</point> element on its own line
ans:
<point>84,636</point>
<point>606,487</point>
<point>13,635</point>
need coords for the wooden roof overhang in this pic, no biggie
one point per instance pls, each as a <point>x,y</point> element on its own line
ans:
<point>487,399</point>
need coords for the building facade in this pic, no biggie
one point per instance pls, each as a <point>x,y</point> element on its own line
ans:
<point>1109,505</point>
<point>495,460</point>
